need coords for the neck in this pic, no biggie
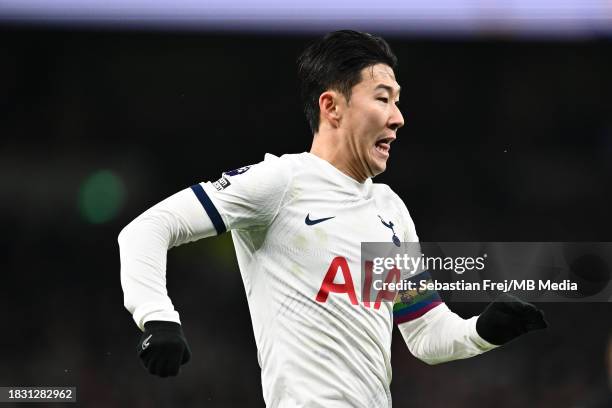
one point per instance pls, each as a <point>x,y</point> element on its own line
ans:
<point>333,149</point>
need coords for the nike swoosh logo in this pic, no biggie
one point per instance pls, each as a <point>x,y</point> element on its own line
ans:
<point>145,343</point>
<point>308,221</point>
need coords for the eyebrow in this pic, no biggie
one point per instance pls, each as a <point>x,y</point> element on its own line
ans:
<point>388,88</point>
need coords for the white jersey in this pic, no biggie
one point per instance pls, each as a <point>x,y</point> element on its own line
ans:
<point>298,223</point>
<point>293,219</point>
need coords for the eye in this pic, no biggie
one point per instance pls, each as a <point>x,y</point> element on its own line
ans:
<point>383,99</point>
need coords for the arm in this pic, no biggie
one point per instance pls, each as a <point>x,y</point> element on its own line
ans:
<point>434,334</point>
<point>143,245</point>
<point>241,199</point>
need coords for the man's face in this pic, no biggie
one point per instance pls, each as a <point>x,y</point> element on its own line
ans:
<point>372,118</point>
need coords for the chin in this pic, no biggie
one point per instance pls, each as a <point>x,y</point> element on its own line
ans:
<point>378,161</point>
<point>378,168</point>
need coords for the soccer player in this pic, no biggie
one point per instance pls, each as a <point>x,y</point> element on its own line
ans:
<point>297,222</point>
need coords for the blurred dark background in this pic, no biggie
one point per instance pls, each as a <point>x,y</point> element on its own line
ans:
<point>505,140</point>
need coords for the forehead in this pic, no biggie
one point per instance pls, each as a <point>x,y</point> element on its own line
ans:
<point>374,76</point>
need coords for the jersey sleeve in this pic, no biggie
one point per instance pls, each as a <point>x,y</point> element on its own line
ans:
<point>143,245</point>
<point>248,197</point>
<point>412,304</point>
<point>433,333</point>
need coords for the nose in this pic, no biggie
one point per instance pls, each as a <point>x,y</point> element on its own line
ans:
<point>396,120</point>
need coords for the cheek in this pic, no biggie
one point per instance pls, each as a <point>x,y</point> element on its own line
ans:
<point>365,115</point>
<point>371,122</point>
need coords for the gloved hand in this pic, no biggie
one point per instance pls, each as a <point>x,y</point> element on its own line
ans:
<point>163,348</point>
<point>507,318</point>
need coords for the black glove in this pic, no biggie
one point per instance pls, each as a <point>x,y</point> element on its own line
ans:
<point>163,348</point>
<point>507,318</point>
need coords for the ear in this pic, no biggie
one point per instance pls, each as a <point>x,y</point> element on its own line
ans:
<point>330,107</point>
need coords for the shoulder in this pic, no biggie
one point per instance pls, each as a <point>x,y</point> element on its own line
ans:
<point>286,168</point>
<point>287,163</point>
<point>271,170</point>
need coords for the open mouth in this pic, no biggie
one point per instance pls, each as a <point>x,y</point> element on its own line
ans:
<point>384,145</point>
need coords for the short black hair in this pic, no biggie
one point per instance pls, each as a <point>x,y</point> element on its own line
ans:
<point>335,62</point>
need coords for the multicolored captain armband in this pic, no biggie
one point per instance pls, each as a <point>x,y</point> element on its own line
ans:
<point>414,303</point>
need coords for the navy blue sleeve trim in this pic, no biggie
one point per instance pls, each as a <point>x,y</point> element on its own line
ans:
<point>210,208</point>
